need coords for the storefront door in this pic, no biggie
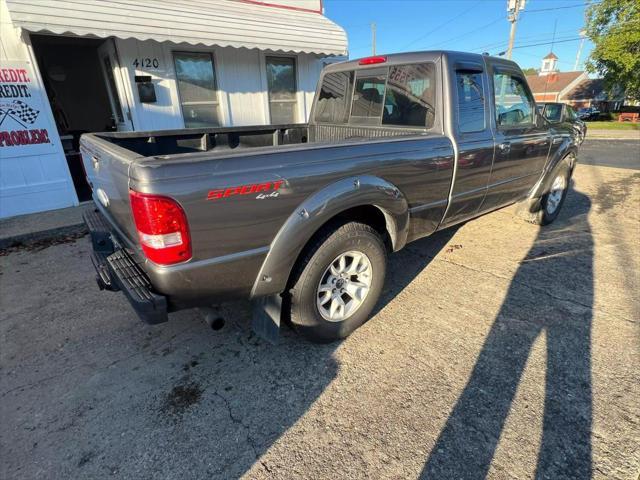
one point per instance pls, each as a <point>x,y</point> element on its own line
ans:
<point>115,87</point>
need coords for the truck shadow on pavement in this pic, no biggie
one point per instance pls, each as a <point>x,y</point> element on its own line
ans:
<point>552,294</point>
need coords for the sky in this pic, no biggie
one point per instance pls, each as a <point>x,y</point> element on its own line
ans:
<point>466,25</point>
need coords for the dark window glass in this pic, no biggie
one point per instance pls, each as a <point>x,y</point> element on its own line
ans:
<point>514,105</point>
<point>335,98</point>
<point>113,90</point>
<point>195,75</point>
<point>281,83</point>
<point>571,113</point>
<point>368,96</point>
<point>411,94</point>
<point>553,112</point>
<point>470,102</point>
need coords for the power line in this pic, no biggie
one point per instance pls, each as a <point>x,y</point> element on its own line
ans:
<point>544,43</point>
<point>442,25</point>
<point>533,55</point>
<point>538,36</point>
<point>501,17</point>
<point>561,8</point>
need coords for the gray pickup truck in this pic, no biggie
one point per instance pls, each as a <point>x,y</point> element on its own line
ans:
<point>300,218</point>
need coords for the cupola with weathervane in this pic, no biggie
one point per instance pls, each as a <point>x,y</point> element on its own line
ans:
<point>549,64</point>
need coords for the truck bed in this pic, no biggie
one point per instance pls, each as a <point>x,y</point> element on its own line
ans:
<point>233,139</point>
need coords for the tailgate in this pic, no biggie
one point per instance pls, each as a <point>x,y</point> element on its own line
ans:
<point>107,168</point>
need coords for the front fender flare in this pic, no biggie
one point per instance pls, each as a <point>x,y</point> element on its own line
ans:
<point>318,209</point>
<point>567,152</point>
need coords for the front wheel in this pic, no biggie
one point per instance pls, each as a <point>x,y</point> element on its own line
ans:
<point>337,282</point>
<point>552,201</point>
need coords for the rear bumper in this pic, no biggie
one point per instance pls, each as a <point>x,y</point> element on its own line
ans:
<point>118,270</point>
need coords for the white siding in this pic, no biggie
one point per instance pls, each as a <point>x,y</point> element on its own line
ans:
<point>31,183</point>
<point>240,75</point>
<point>243,85</point>
<point>165,112</point>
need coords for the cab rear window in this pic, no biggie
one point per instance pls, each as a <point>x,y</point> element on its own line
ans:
<point>334,99</point>
<point>399,95</point>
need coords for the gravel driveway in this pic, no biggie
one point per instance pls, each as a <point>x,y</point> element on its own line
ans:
<point>499,349</point>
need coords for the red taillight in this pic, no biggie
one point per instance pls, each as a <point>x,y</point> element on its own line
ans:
<point>162,228</point>
<point>373,60</point>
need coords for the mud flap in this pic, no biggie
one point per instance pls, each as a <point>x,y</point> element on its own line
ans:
<point>266,317</point>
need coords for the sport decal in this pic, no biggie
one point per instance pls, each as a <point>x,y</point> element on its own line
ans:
<point>264,190</point>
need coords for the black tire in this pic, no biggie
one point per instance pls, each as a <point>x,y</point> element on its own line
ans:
<point>300,300</point>
<point>550,206</point>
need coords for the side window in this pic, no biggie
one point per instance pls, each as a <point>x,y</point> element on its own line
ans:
<point>571,113</point>
<point>514,105</point>
<point>367,97</point>
<point>196,78</point>
<point>471,115</point>
<point>281,85</point>
<point>335,98</point>
<point>553,112</point>
<point>410,98</point>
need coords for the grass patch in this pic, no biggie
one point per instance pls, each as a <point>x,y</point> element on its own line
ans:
<point>613,126</point>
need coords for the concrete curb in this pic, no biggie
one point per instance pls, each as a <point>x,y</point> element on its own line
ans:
<point>613,135</point>
<point>612,138</point>
<point>42,236</point>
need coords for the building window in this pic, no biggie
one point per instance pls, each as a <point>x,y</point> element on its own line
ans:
<point>470,102</point>
<point>195,75</point>
<point>281,84</point>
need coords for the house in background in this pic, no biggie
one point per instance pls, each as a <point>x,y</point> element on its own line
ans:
<point>592,93</point>
<point>551,85</point>
<point>70,67</point>
<point>574,88</point>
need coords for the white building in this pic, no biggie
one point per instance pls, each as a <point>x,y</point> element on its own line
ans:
<point>74,66</point>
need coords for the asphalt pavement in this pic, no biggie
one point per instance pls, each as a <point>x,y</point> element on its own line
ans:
<point>611,153</point>
<point>499,349</point>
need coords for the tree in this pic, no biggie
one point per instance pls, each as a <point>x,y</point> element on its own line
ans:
<point>530,71</point>
<point>614,28</point>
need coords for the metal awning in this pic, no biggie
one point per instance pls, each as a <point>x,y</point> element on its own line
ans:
<point>225,23</point>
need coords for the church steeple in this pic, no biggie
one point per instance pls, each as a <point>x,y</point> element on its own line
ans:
<point>549,64</point>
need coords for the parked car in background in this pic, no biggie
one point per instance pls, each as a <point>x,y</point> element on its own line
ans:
<point>561,113</point>
<point>300,218</point>
<point>589,113</point>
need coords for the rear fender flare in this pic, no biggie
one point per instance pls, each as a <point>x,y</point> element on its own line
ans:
<point>317,210</point>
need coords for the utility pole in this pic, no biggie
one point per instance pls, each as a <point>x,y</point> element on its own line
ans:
<point>582,35</point>
<point>373,38</point>
<point>513,7</point>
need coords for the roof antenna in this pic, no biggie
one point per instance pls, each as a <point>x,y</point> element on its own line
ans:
<point>553,41</point>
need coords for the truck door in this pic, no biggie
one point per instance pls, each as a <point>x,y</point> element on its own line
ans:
<point>474,137</point>
<point>522,139</point>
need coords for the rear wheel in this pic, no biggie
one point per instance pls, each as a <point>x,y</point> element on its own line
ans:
<point>337,282</point>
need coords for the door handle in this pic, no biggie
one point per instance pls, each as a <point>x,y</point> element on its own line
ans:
<point>505,147</point>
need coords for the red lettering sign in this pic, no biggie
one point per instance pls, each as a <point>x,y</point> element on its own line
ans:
<point>16,138</point>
